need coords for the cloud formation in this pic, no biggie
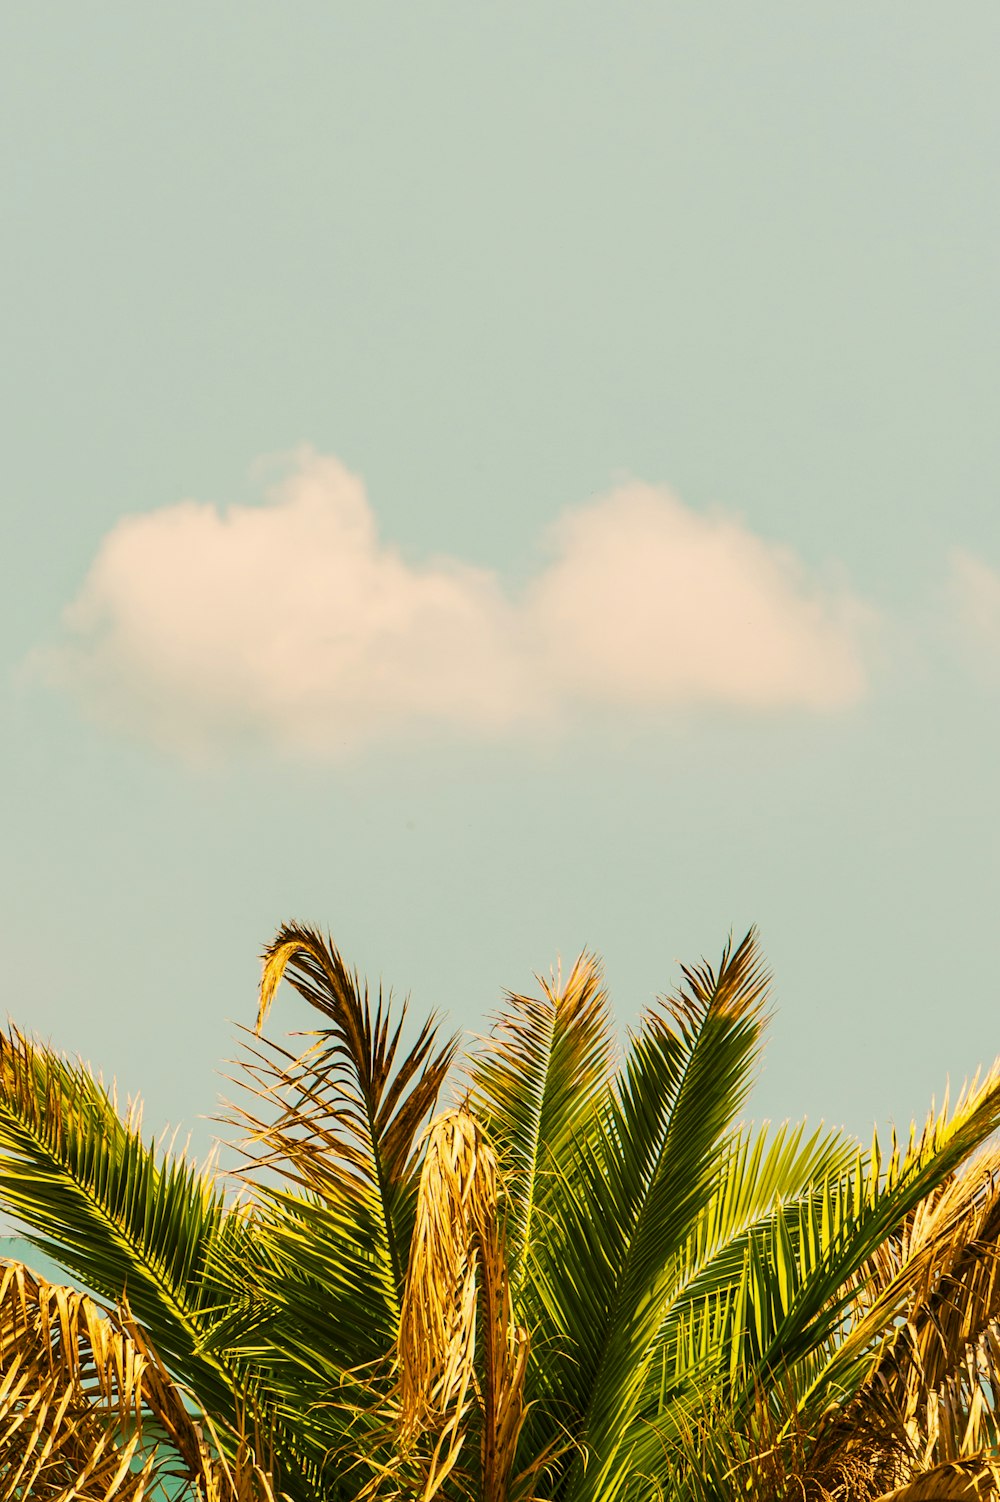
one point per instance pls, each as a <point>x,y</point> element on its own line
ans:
<point>293,623</point>
<point>974,588</point>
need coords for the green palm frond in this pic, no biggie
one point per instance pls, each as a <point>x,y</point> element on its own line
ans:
<point>938,1370</point>
<point>587,1285</point>
<point>331,1142</point>
<point>760,1171</point>
<point>321,1258</point>
<point>536,1086</point>
<point>350,1108</point>
<point>95,1198</point>
<point>836,1270</point>
<point>763,1177</point>
<point>803,1321</point>
<point>629,1203</point>
<point>304,1291</point>
<point>98,1201</point>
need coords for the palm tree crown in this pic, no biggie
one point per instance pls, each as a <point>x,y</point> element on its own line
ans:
<point>579,1278</point>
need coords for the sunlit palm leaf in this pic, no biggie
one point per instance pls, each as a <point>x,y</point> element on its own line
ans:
<point>306,1291</point>
<point>631,1200</point>
<point>881,1207</point>
<point>349,1110</point>
<point>535,1086</point>
<point>763,1177</point>
<point>94,1197</point>
<point>964,1481</point>
<point>786,1329</point>
<point>333,1167</point>
<point>936,1378</point>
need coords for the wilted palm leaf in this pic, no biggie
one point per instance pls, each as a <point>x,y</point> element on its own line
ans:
<point>457,1308</point>
<point>87,1409</point>
<point>961,1481</point>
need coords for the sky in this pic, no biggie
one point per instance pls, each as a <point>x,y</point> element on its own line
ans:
<point>491,481</point>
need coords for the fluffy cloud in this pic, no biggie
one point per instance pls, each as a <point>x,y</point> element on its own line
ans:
<point>292,622</point>
<point>974,588</point>
<point>646,602</point>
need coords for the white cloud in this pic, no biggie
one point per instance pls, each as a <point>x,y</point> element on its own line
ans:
<point>974,590</point>
<point>647,602</point>
<point>291,622</point>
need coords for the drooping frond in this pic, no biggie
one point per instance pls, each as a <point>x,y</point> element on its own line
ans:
<point>535,1086</point>
<point>954,1481</point>
<point>457,1306</point>
<point>341,1121</point>
<point>70,1406</point>
<point>320,1274</point>
<point>88,1410</point>
<point>331,1141</point>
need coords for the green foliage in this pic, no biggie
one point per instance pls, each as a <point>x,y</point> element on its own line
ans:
<point>631,1294</point>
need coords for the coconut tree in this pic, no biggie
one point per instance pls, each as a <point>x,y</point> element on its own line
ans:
<point>574,1277</point>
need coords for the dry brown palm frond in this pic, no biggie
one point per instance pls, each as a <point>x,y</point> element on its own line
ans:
<point>70,1410</point>
<point>930,1297</point>
<point>456,1308</point>
<point>89,1412</point>
<point>954,1481</point>
<point>770,1454</point>
<point>940,1374</point>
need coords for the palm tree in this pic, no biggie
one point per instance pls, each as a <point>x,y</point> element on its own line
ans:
<point>581,1280</point>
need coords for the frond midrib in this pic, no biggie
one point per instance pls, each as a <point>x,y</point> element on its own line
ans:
<point>517,1272</point>
<point>397,1267</point>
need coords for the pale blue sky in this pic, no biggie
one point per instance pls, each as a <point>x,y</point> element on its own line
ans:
<point>499,260</point>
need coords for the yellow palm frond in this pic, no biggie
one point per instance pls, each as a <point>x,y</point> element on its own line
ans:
<point>457,1299</point>
<point>961,1481</point>
<point>89,1412</point>
<point>940,1372</point>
